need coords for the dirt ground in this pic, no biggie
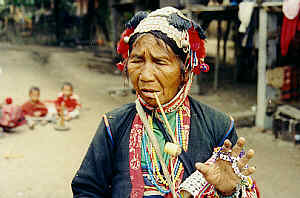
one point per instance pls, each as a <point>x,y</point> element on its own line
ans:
<point>41,163</point>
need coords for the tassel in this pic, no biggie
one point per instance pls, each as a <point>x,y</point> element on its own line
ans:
<point>123,47</point>
<point>120,66</point>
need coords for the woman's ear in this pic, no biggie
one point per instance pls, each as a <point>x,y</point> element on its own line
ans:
<point>184,74</point>
<point>185,77</point>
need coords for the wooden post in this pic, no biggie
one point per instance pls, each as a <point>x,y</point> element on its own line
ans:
<point>237,49</point>
<point>58,23</point>
<point>225,38</point>
<point>113,27</point>
<point>217,65</point>
<point>91,19</point>
<point>262,61</point>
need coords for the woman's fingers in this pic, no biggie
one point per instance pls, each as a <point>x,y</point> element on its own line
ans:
<point>249,171</point>
<point>236,150</point>
<point>227,146</point>
<point>244,160</point>
<point>204,169</point>
<point>211,173</point>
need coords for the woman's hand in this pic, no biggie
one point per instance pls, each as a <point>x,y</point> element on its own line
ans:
<point>221,174</point>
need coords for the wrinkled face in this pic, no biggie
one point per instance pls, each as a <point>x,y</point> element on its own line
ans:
<point>67,90</point>
<point>154,67</point>
<point>34,95</point>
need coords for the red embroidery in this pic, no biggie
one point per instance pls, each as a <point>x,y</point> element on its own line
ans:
<point>135,144</point>
<point>135,169</point>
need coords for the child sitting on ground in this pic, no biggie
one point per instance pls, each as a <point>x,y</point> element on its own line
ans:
<point>68,101</point>
<point>11,116</point>
<point>34,110</point>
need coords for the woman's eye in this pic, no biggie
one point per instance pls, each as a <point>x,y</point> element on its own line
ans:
<point>136,61</point>
<point>161,62</point>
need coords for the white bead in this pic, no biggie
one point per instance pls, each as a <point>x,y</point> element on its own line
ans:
<point>126,39</point>
<point>185,43</point>
<point>172,149</point>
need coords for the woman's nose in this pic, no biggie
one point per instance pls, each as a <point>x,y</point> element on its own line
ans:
<point>147,73</point>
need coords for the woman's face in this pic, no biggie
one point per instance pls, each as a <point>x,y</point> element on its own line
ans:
<point>154,67</point>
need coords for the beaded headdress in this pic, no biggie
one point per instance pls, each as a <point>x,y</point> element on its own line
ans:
<point>188,36</point>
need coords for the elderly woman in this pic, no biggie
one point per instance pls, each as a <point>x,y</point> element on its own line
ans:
<point>165,144</point>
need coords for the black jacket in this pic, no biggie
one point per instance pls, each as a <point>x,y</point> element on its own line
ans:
<point>104,171</point>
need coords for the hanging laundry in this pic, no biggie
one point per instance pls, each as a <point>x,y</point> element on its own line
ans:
<point>290,8</point>
<point>290,23</point>
<point>245,13</point>
<point>288,31</point>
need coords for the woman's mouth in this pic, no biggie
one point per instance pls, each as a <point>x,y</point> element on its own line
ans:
<point>149,92</point>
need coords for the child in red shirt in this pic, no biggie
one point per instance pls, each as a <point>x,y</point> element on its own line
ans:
<point>34,110</point>
<point>11,116</point>
<point>69,101</point>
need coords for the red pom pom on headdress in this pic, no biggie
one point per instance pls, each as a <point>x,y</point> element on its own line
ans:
<point>198,45</point>
<point>201,53</point>
<point>194,39</point>
<point>121,66</point>
<point>123,47</point>
<point>8,100</point>
<point>202,67</point>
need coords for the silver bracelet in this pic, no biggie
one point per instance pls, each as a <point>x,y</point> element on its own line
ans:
<point>196,185</point>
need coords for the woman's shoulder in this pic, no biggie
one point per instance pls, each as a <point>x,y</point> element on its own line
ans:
<point>213,117</point>
<point>118,116</point>
<point>200,107</point>
<point>219,124</point>
<point>121,111</point>
<point>115,122</point>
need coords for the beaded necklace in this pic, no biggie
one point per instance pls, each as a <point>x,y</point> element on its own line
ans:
<point>149,167</point>
<point>153,164</point>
